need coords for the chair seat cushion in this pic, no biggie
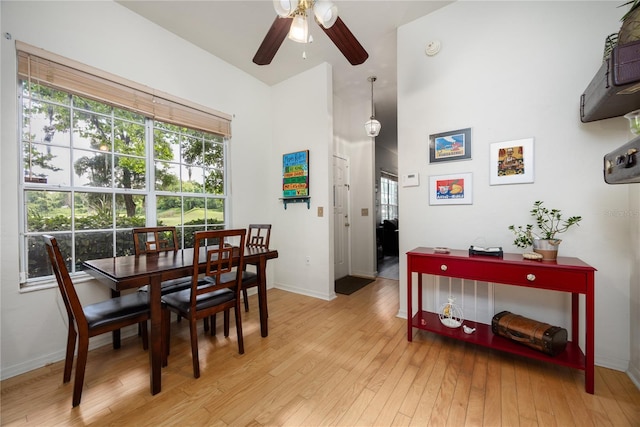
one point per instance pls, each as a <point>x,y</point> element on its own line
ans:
<point>171,286</point>
<point>182,300</point>
<point>116,309</point>
<point>249,278</point>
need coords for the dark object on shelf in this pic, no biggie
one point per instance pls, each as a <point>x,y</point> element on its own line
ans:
<point>621,166</point>
<point>615,89</point>
<point>390,237</point>
<point>493,251</point>
<point>548,339</point>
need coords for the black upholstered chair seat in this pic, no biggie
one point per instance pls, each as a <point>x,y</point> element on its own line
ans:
<point>170,286</point>
<point>116,309</point>
<point>182,300</point>
<point>249,277</point>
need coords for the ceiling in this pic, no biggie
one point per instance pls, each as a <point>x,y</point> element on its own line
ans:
<point>232,30</point>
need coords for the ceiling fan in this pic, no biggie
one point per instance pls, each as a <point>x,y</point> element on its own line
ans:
<point>292,21</point>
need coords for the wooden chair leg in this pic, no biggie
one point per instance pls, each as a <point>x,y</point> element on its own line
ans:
<point>206,324</point>
<point>226,323</point>
<point>71,349</point>
<point>239,330</point>
<point>246,300</point>
<point>194,347</point>
<point>81,364</point>
<point>145,335</point>
<point>212,319</point>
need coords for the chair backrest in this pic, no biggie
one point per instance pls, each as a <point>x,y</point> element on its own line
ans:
<point>68,291</point>
<point>259,235</point>
<point>224,261</point>
<point>148,240</point>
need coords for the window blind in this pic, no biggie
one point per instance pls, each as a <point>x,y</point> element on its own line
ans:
<point>46,68</point>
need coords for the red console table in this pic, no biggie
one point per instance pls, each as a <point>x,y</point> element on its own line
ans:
<point>565,275</point>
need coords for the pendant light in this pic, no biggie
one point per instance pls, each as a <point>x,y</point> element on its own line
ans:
<point>372,127</point>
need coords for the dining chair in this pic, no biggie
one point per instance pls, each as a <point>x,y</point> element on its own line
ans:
<point>93,319</point>
<point>218,291</point>
<point>258,237</point>
<point>151,240</point>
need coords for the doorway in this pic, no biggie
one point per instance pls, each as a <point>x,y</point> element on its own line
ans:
<point>387,233</point>
<point>341,216</point>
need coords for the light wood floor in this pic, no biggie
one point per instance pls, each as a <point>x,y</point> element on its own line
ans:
<point>346,362</point>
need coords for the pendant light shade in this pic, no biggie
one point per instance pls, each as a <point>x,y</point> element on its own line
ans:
<point>372,127</point>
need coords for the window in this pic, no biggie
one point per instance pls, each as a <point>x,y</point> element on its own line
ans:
<point>93,171</point>
<point>388,196</point>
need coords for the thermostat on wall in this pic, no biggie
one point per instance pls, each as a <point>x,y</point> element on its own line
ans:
<point>410,180</point>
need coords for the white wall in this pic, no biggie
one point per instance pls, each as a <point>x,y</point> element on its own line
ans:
<point>634,282</point>
<point>303,119</point>
<point>107,36</point>
<point>512,70</point>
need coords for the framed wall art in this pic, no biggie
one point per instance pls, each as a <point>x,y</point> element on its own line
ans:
<point>448,146</point>
<point>451,189</point>
<point>511,162</point>
<point>295,174</point>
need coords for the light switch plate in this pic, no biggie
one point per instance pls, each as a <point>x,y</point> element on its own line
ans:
<point>364,211</point>
<point>320,211</point>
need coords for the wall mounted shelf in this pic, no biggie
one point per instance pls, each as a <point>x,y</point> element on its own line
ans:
<point>306,199</point>
<point>615,89</point>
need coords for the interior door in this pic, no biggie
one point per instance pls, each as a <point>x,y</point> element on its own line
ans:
<point>341,216</point>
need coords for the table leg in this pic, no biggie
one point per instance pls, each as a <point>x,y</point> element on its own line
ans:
<point>262,296</point>
<point>155,344</point>
<point>589,336</point>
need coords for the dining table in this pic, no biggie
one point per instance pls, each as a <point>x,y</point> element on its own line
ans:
<point>130,272</point>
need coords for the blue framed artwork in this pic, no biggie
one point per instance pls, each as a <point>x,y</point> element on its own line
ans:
<point>449,146</point>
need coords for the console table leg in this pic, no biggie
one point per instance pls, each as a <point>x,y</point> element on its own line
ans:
<point>589,338</point>
<point>575,318</point>
<point>409,305</point>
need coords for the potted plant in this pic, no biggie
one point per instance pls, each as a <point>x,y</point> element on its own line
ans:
<point>549,223</point>
<point>630,29</point>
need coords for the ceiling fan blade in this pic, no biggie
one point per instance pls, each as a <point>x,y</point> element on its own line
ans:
<point>346,42</point>
<point>272,41</point>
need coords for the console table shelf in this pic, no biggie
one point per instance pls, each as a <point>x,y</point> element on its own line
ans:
<point>571,357</point>
<point>565,275</point>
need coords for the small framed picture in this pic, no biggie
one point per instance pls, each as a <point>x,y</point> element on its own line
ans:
<point>448,146</point>
<point>452,189</point>
<point>511,162</point>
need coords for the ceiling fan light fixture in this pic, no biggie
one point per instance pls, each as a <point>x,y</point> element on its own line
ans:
<point>372,127</point>
<point>299,31</point>
<point>326,12</point>
<point>285,8</point>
